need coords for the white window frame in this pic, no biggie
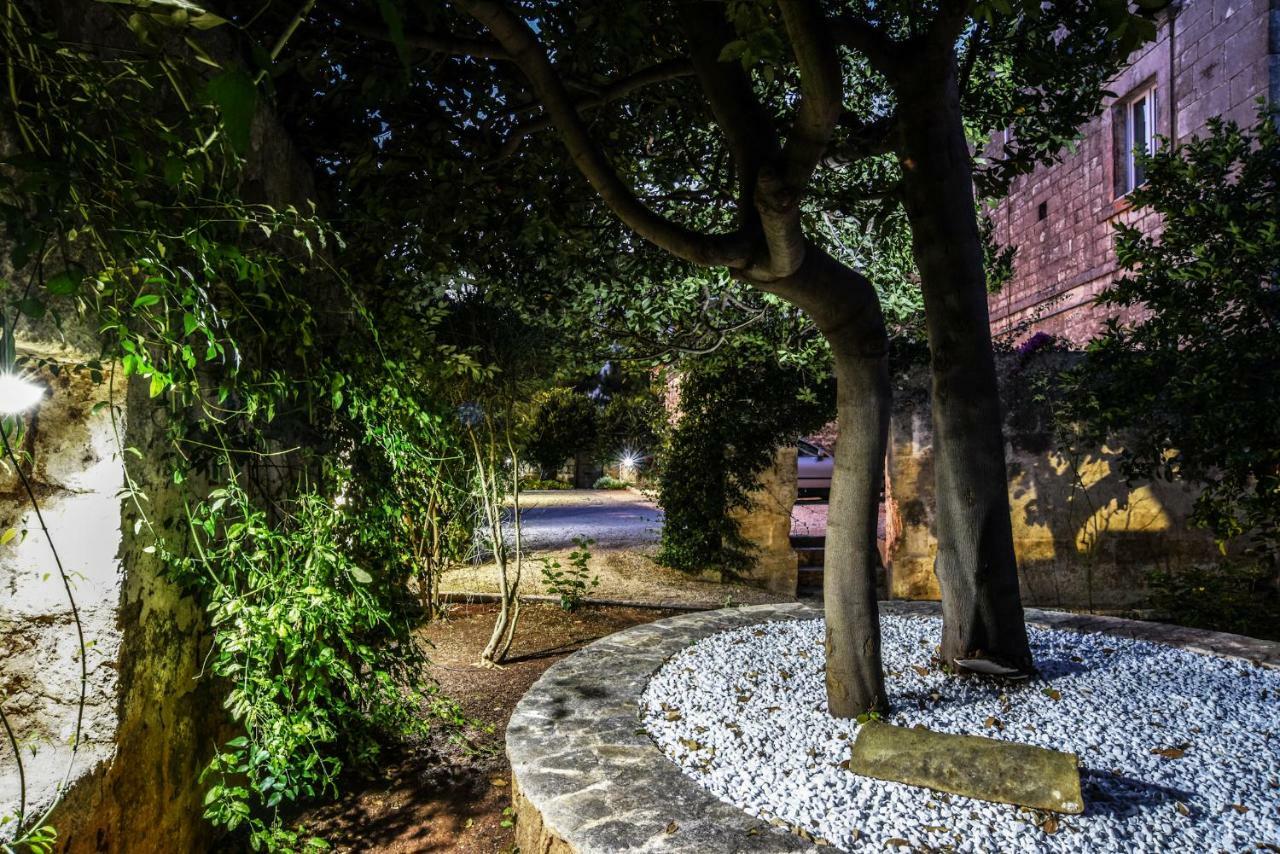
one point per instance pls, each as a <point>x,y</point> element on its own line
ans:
<point>1142,102</point>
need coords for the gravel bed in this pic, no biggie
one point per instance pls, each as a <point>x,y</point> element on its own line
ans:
<point>1178,750</point>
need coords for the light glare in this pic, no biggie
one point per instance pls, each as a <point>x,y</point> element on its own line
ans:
<point>18,394</point>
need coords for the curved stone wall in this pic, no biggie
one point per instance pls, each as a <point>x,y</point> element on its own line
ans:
<point>586,777</point>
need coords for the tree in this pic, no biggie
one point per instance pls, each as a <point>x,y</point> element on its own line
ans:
<point>736,134</point>
<point>1179,379</point>
<point>562,423</point>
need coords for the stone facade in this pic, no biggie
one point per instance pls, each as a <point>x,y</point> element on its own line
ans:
<point>1084,537</point>
<point>766,524</point>
<point>1211,58</point>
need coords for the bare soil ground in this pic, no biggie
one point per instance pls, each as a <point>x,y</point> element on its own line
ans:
<point>628,574</point>
<point>440,796</point>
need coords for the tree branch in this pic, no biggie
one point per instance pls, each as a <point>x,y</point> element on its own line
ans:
<point>446,43</point>
<point>519,40</point>
<point>660,73</point>
<point>863,140</point>
<point>821,89</point>
<point>867,39</point>
<point>747,128</point>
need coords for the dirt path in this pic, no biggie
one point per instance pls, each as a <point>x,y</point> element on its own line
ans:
<point>437,796</point>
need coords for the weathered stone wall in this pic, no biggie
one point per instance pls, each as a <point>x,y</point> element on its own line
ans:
<point>149,723</point>
<point>1211,58</point>
<point>1084,538</point>
<point>76,474</point>
<point>766,524</point>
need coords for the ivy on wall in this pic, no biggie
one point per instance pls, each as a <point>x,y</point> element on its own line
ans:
<point>294,434</point>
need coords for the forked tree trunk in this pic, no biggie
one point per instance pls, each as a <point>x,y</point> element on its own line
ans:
<point>976,566</point>
<point>846,310</point>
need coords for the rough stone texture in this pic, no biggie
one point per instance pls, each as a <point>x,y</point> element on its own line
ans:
<point>766,524</point>
<point>973,766</point>
<point>76,474</point>
<point>1084,538</point>
<point>1214,58</point>
<point>588,779</point>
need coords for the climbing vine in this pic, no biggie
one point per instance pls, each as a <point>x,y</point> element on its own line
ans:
<point>293,434</point>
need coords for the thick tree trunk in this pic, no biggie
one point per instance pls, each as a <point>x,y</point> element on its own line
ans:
<point>976,566</point>
<point>846,309</point>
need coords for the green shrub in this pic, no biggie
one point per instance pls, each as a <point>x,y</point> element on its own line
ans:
<point>563,422</point>
<point>572,584</point>
<point>608,482</point>
<point>737,408</point>
<point>539,483</point>
<point>1239,597</point>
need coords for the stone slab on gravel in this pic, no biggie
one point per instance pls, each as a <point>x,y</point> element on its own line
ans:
<point>984,768</point>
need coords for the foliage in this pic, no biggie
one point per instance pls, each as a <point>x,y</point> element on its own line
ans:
<point>736,408</point>
<point>124,207</point>
<point>630,424</point>
<point>563,422</point>
<point>1177,374</point>
<point>609,482</point>
<point>536,483</point>
<point>1232,596</point>
<point>571,585</point>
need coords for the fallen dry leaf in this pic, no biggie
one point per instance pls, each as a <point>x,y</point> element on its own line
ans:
<point>1052,693</point>
<point>1169,752</point>
<point>672,827</point>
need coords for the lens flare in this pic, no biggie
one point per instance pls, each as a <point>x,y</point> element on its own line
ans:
<point>18,394</point>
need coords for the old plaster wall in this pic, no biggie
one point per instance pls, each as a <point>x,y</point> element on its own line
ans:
<point>149,723</point>
<point>1084,537</point>
<point>76,475</point>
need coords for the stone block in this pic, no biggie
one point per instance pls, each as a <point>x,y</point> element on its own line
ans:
<point>972,766</point>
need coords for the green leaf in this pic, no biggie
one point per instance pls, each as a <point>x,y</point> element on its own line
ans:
<point>31,307</point>
<point>361,576</point>
<point>395,28</point>
<point>189,323</point>
<point>178,13</point>
<point>67,282</point>
<point>236,97</point>
<point>158,385</point>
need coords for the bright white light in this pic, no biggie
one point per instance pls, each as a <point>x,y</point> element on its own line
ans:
<point>17,394</point>
<point>629,460</point>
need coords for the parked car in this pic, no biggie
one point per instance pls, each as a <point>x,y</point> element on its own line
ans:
<point>813,467</point>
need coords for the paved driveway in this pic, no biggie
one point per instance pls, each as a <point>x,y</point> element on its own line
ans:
<point>611,517</point>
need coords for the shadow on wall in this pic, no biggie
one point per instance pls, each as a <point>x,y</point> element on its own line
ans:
<point>1084,537</point>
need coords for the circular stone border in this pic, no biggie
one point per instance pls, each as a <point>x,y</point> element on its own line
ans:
<point>587,778</point>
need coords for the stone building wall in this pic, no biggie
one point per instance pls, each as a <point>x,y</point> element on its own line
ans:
<point>1084,538</point>
<point>1211,58</point>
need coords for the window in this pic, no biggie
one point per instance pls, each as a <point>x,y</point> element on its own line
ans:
<point>1042,211</point>
<point>1135,126</point>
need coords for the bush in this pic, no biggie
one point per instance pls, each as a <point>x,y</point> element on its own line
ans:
<point>539,483</point>
<point>563,422</point>
<point>572,584</point>
<point>1234,596</point>
<point>608,482</point>
<point>737,408</point>
<point>1187,384</point>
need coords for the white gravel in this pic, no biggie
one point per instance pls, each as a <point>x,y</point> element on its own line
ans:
<point>744,713</point>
